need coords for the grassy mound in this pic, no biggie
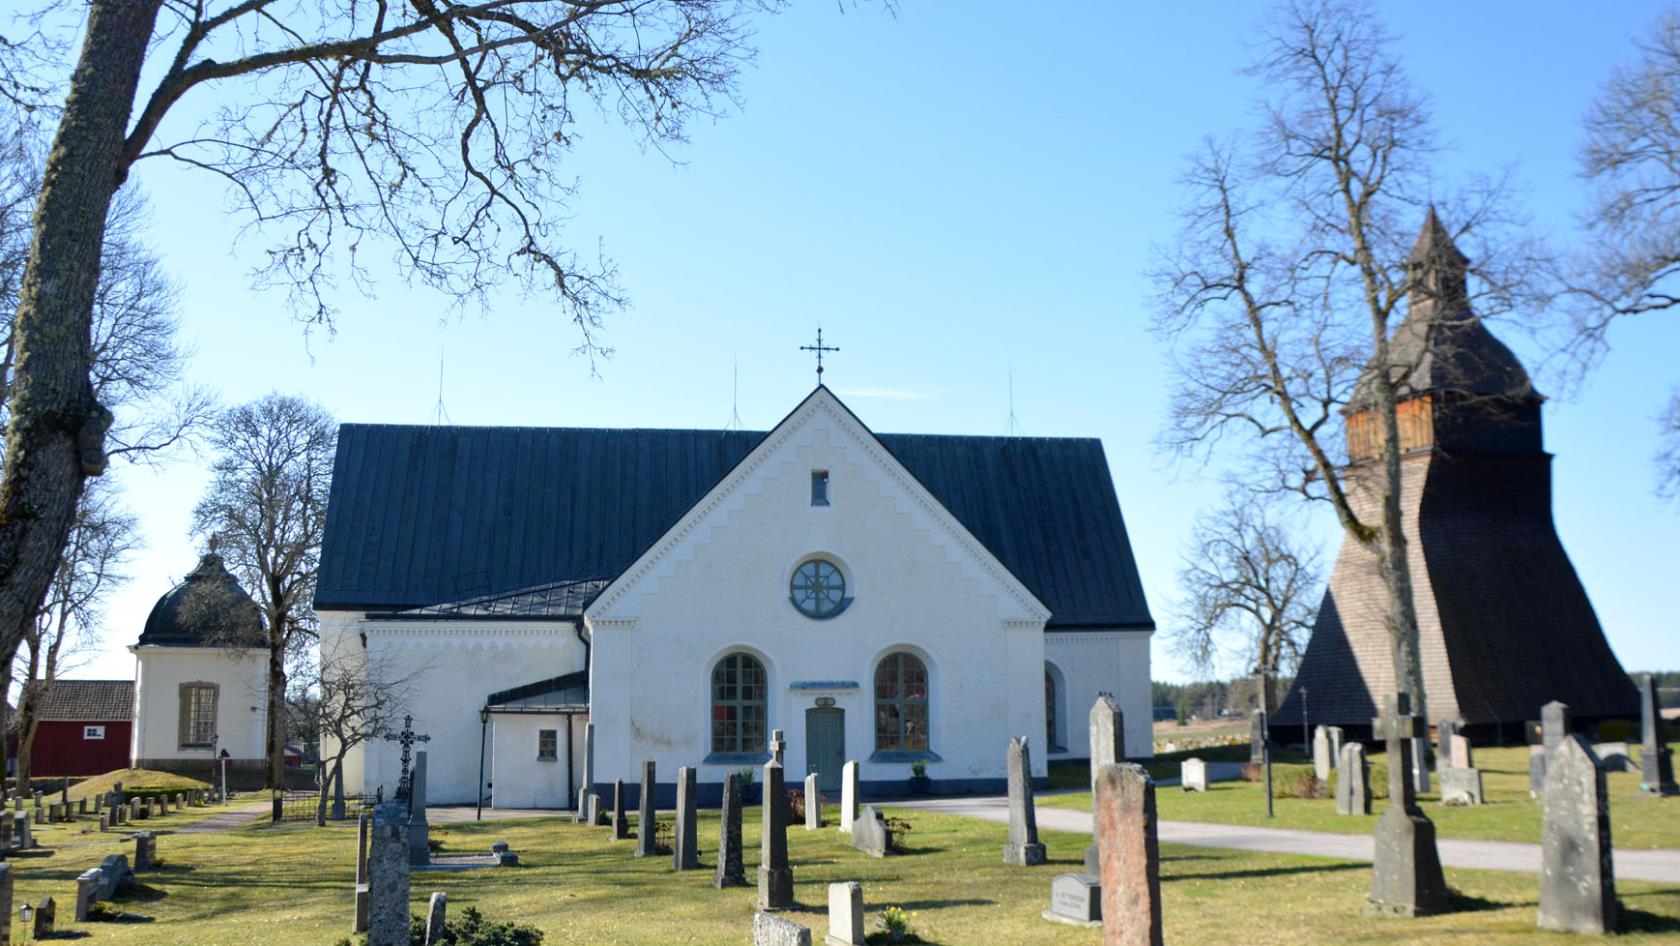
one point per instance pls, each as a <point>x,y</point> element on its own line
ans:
<point>145,781</point>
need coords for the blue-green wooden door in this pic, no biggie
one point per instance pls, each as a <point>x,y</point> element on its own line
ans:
<point>825,745</point>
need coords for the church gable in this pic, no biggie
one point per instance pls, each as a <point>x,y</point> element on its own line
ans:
<point>819,486</point>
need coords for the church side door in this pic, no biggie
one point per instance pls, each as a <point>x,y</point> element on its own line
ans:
<point>825,745</point>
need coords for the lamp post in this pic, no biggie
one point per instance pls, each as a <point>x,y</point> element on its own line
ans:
<point>483,729</point>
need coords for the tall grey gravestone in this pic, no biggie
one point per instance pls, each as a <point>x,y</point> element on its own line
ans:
<point>730,871</point>
<point>1353,781</point>
<point>360,923</point>
<point>685,852</point>
<point>1321,753</point>
<point>848,795</point>
<point>1130,855</point>
<point>1108,747</point>
<point>1257,736</point>
<point>775,877</point>
<point>1577,884</point>
<point>813,803</point>
<point>1656,760</point>
<point>419,832</point>
<point>1023,848</point>
<point>588,789</point>
<point>388,876</point>
<point>645,825</point>
<point>620,819</point>
<point>1406,877</point>
<point>435,911</point>
<point>1335,745</point>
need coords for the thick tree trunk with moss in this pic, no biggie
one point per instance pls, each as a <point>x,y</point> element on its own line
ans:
<point>56,433</point>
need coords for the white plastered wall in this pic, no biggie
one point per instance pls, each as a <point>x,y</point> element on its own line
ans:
<point>1089,662</point>
<point>718,583</point>
<point>240,676</point>
<point>521,779</point>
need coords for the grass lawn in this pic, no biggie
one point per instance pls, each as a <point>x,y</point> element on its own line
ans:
<point>262,885</point>
<point>1637,821</point>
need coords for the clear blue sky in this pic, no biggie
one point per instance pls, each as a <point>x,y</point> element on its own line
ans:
<point>955,192</point>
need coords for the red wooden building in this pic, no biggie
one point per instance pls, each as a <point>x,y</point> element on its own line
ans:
<point>84,728</point>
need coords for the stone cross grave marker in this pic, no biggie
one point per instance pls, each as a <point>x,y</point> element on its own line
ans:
<point>646,827</point>
<point>1130,854</point>
<point>685,850</point>
<point>1023,848</point>
<point>813,803</point>
<point>1321,753</point>
<point>406,739</point>
<point>845,914</point>
<point>1577,883</point>
<point>1353,781</point>
<point>1406,877</point>
<point>1192,775</point>
<point>388,876</point>
<point>778,746</point>
<point>1656,759</point>
<point>730,870</point>
<point>848,795</point>
<point>775,877</point>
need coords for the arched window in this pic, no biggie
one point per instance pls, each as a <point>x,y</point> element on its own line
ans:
<point>1049,709</point>
<point>901,703</point>
<point>738,692</point>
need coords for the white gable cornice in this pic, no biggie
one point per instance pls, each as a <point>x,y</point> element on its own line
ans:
<point>821,402</point>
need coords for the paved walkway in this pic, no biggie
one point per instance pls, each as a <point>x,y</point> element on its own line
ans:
<point>236,817</point>
<point>1656,866</point>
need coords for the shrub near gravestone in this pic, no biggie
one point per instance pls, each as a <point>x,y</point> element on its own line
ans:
<point>472,929</point>
<point>1311,786</point>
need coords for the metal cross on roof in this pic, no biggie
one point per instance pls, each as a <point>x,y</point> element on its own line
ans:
<point>819,348</point>
<point>406,739</point>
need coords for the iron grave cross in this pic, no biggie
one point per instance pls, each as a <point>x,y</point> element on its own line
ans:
<point>819,348</point>
<point>406,739</point>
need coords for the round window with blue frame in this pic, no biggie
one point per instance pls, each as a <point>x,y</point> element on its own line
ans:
<point>818,589</point>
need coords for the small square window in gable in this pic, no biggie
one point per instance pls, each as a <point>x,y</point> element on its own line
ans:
<point>819,487</point>
<point>548,745</point>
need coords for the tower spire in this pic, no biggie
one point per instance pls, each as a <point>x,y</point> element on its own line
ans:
<point>1438,268</point>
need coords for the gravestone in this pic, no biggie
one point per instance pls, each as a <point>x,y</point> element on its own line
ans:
<point>1075,899</point>
<point>145,850</point>
<point>620,820</point>
<point>1445,730</point>
<point>813,803</point>
<point>419,831</point>
<point>778,746</point>
<point>360,923</point>
<point>114,876</point>
<point>645,824</point>
<point>1406,877</point>
<point>46,917</point>
<point>1461,786</point>
<point>772,930</point>
<point>1130,856</point>
<point>435,911</point>
<point>845,914</point>
<point>775,877</point>
<point>1353,781</point>
<point>1023,848</point>
<point>7,832</point>
<point>1257,736</point>
<point>1460,753</point>
<point>870,833</point>
<point>1321,753</point>
<point>1555,724</point>
<point>685,851</point>
<point>1192,775</point>
<point>592,811</point>
<point>1420,760</point>
<point>40,816</point>
<point>338,794</point>
<point>6,898</point>
<point>25,835</point>
<point>730,870</point>
<point>388,861</point>
<point>156,807</point>
<point>1577,883</point>
<point>82,805</point>
<point>848,795</point>
<point>1656,760</point>
<point>1536,770</point>
<point>1108,734</point>
<point>588,789</point>
<point>1335,745</point>
<point>87,891</point>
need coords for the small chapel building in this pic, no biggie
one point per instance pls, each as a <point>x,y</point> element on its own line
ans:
<point>900,600</point>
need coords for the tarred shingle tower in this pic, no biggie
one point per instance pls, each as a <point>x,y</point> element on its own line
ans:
<point>1503,621</point>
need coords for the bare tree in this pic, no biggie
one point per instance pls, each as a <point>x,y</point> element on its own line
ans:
<point>434,129</point>
<point>352,704</point>
<point>266,508</point>
<point>1295,260</point>
<point>90,569</point>
<point>1247,588</point>
<point>1631,266</point>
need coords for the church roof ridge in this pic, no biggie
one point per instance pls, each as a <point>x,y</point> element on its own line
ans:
<point>544,428</point>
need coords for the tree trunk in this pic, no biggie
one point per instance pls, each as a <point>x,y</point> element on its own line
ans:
<point>276,717</point>
<point>29,707</point>
<point>57,429</point>
<point>1396,565</point>
<point>6,658</point>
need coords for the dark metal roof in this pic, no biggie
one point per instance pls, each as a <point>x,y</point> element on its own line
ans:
<point>566,690</point>
<point>424,515</point>
<point>90,701</point>
<point>557,600</point>
<point>207,609</point>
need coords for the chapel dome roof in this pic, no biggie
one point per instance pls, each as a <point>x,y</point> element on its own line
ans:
<point>207,609</point>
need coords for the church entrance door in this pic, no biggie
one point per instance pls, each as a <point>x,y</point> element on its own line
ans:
<point>825,745</point>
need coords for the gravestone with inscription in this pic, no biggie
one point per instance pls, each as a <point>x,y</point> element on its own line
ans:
<point>1192,775</point>
<point>1577,881</point>
<point>685,851</point>
<point>388,858</point>
<point>1023,848</point>
<point>1321,753</point>
<point>1130,856</point>
<point>870,833</point>
<point>775,877</point>
<point>845,914</point>
<point>772,930</point>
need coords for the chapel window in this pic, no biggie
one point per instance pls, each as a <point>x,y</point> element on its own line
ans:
<point>198,715</point>
<point>1049,710</point>
<point>901,703</point>
<point>738,699</point>
<point>819,487</point>
<point>548,745</point>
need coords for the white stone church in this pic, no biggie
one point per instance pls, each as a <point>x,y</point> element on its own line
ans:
<point>894,599</point>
